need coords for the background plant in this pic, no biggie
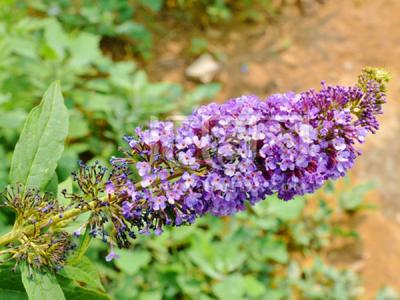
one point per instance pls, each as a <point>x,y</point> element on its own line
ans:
<point>106,99</point>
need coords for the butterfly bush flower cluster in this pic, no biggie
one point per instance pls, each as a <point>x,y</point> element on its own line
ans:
<point>224,157</point>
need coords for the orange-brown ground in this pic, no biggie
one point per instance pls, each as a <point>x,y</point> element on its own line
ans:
<point>333,41</point>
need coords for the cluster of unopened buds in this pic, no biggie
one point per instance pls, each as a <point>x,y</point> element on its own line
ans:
<point>220,159</point>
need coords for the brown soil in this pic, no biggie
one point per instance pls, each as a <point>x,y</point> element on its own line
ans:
<point>333,42</point>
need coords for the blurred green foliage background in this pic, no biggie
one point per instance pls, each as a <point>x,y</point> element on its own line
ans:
<point>275,250</point>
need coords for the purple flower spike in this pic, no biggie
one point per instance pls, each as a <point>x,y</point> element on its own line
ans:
<point>226,155</point>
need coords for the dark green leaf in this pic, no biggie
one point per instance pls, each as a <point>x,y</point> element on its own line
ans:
<point>73,291</point>
<point>84,273</point>
<point>11,287</point>
<point>40,286</point>
<point>52,186</point>
<point>84,242</point>
<point>65,185</point>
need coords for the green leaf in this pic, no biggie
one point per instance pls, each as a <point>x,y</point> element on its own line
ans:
<point>154,5</point>
<point>231,288</point>
<point>24,48</point>
<point>78,127</point>
<point>387,293</point>
<point>84,273</point>
<point>352,200</point>
<point>52,186</point>
<point>77,223</point>
<point>254,288</point>
<point>139,33</point>
<point>65,185</point>
<point>151,295</point>
<point>4,224</point>
<point>41,142</point>
<point>286,210</point>
<point>11,287</point>
<point>131,261</point>
<point>84,50</point>
<point>73,291</point>
<point>12,119</point>
<point>55,37</point>
<point>83,246</point>
<point>274,249</point>
<point>67,163</point>
<point>200,93</point>
<point>204,264</point>
<point>40,286</point>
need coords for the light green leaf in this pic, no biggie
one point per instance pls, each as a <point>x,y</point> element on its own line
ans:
<point>121,75</point>
<point>201,93</point>
<point>12,119</point>
<point>78,127</point>
<point>352,199</point>
<point>131,261</point>
<point>23,47</point>
<point>231,288</point>
<point>285,210</point>
<point>204,264</point>
<point>387,293</point>
<point>254,288</point>
<point>274,249</point>
<point>41,142</point>
<point>55,37</point>
<point>151,295</point>
<point>84,49</point>
<point>40,286</point>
